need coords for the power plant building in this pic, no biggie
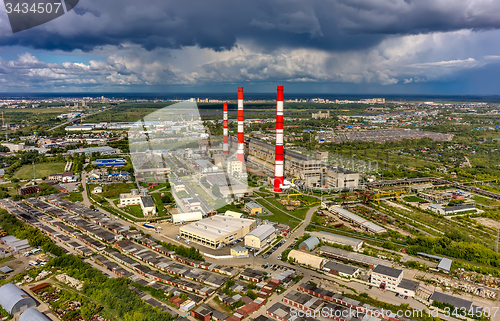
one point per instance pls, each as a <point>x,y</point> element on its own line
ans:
<point>216,231</point>
<point>312,171</point>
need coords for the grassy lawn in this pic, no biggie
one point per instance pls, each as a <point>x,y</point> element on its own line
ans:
<point>413,199</point>
<point>134,210</point>
<point>162,211</point>
<point>485,201</point>
<point>74,197</point>
<point>41,170</point>
<point>299,212</point>
<point>182,194</point>
<point>113,190</point>
<point>278,216</point>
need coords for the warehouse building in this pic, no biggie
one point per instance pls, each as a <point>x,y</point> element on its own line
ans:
<point>14,300</point>
<point>454,301</point>
<point>343,255</point>
<point>358,220</point>
<point>218,230</point>
<point>341,269</point>
<point>102,150</point>
<point>309,244</point>
<point>186,217</point>
<point>450,210</point>
<point>33,314</point>
<point>386,277</point>
<point>260,237</point>
<point>108,162</point>
<point>307,259</point>
<point>339,239</point>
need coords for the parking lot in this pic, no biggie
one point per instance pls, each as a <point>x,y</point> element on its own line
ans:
<point>275,248</point>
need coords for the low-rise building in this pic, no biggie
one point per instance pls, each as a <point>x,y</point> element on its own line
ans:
<point>309,244</point>
<point>305,258</point>
<point>260,237</point>
<point>218,230</point>
<point>356,244</point>
<point>239,251</point>
<point>407,287</point>
<point>253,208</point>
<point>450,210</point>
<point>148,205</point>
<point>14,300</point>
<point>386,277</point>
<point>341,269</point>
<point>132,198</point>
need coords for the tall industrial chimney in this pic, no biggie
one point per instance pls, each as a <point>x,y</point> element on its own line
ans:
<point>241,138</point>
<point>225,149</point>
<point>278,155</point>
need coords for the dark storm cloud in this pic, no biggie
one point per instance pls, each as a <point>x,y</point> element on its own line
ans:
<point>217,24</point>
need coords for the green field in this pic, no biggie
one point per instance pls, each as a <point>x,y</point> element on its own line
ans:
<point>413,199</point>
<point>74,197</point>
<point>113,190</point>
<point>134,210</point>
<point>41,170</point>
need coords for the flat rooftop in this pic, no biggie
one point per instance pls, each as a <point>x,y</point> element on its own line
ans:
<point>216,226</point>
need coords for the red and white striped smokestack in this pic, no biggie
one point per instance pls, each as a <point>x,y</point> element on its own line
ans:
<point>278,155</point>
<point>241,137</point>
<point>225,149</point>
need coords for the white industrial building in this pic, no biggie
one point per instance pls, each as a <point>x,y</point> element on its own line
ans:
<point>217,231</point>
<point>339,239</point>
<point>132,198</point>
<point>186,217</point>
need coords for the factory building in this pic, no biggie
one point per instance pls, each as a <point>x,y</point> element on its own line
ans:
<point>260,237</point>
<point>339,239</point>
<point>312,171</point>
<point>218,230</point>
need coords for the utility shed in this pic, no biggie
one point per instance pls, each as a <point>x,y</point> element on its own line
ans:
<point>33,314</point>
<point>309,244</point>
<point>15,300</point>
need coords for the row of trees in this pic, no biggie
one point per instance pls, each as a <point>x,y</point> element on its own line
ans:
<point>114,294</point>
<point>472,252</point>
<point>190,253</point>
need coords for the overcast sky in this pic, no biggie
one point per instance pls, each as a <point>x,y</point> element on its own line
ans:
<point>309,46</point>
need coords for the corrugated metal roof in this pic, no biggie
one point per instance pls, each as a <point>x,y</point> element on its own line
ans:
<point>263,231</point>
<point>10,295</point>
<point>33,314</point>
<point>310,243</point>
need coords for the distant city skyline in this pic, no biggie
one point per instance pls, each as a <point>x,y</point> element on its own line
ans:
<point>372,47</point>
